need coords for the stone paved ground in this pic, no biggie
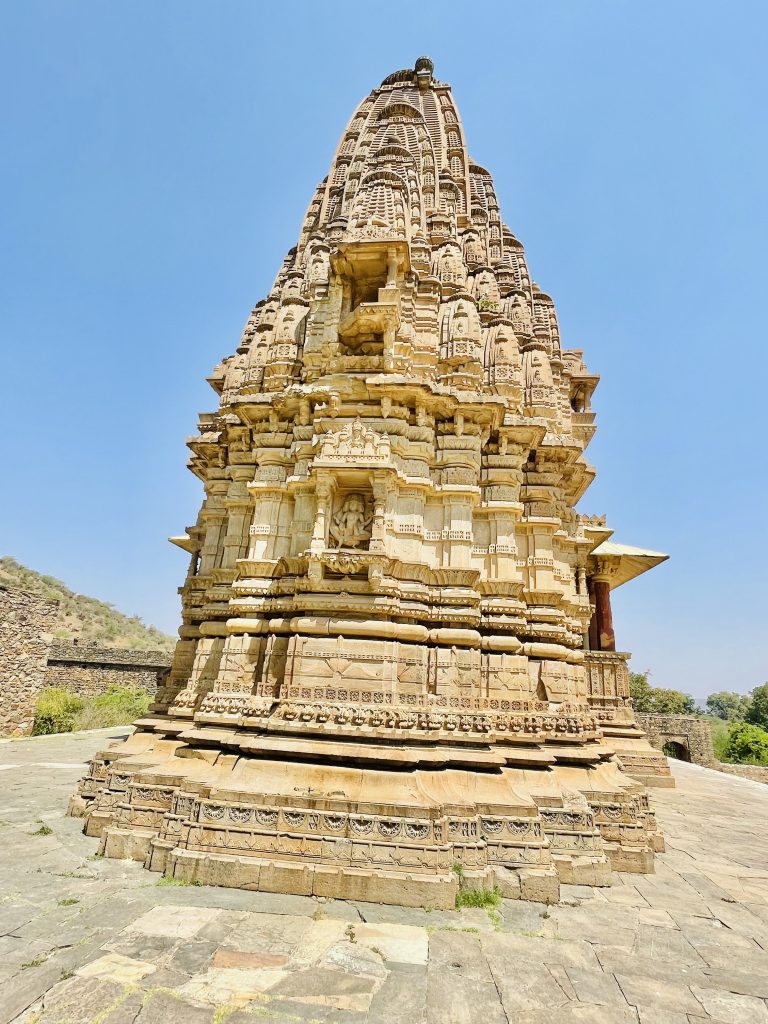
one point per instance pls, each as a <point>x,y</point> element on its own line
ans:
<point>92,941</point>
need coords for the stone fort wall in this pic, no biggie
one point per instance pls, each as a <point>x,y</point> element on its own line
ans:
<point>688,732</point>
<point>695,737</point>
<point>26,621</point>
<point>88,669</point>
<point>30,659</point>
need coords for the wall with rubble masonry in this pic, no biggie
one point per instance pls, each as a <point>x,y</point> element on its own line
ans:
<point>30,659</point>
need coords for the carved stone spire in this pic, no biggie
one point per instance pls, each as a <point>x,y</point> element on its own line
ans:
<point>381,666</point>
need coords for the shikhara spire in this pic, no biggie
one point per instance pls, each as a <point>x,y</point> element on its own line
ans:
<point>468,315</point>
<point>382,669</point>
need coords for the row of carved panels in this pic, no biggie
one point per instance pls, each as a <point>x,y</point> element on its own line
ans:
<point>543,726</point>
<point>353,846</point>
<point>356,852</point>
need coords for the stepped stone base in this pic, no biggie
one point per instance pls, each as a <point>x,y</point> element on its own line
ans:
<point>634,753</point>
<point>644,763</point>
<point>405,837</point>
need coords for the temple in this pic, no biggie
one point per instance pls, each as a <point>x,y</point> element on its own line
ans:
<point>396,672</point>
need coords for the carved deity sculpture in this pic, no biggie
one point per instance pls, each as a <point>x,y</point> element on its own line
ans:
<point>350,525</point>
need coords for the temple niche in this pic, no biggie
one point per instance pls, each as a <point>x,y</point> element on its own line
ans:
<point>397,652</point>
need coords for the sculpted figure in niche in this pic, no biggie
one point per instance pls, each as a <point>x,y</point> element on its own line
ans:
<point>520,315</point>
<point>286,329</point>
<point>236,369</point>
<point>350,527</point>
<point>319,268</point>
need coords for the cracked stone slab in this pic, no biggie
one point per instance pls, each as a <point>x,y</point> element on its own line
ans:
<point>168,922</point>
<point>114,966</point>
<point>318,986</point>
<point>727,1006</point>
<point>231,985</point>
<point>398,943</point>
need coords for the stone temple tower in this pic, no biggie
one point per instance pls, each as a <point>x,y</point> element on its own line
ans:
<point>381,672</point>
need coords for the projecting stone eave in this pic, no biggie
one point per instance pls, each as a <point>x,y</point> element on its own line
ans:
<point>622,562</point>
<point>185,542</point>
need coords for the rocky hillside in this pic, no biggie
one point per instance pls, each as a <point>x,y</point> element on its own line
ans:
<point>82,617</point>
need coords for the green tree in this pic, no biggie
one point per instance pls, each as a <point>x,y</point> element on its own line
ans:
<point>652,700</point>
<point>747,744</point>
<point>673,702</point>
<point>758,708</point>
<point>640,692</point>
<point>730,706</point>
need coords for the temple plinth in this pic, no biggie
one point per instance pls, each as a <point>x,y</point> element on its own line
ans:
<point>381,672</point>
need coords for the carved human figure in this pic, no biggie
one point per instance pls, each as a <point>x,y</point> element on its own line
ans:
<point>521,315</point>
<point>319,268</point>
<point>505,351</point>
<point>350,527</point>
<point>236,369</point>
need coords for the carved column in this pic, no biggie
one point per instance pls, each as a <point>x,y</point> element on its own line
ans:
<point>378,527</point>
<point>238,503</point>
<point>319,532</point>
<point>603,615</point>
<point>213,517</point>
<point>593,634</point>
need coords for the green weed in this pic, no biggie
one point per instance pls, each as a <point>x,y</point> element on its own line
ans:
<point>34,963</point>
<point>483,898</point>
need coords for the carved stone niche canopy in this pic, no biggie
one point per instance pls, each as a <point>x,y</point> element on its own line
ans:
<point>353,446</point>
<point>350,470</point>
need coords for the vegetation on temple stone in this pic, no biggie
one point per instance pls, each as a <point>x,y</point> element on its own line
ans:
<point>484,899</point>
<point>85,618</point>
<point>653,700</point>
<point>59,710</point>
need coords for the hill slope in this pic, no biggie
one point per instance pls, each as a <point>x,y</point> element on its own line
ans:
<point>82,617</point>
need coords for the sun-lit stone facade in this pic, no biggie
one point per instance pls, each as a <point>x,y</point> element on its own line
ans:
<point>381,670</point>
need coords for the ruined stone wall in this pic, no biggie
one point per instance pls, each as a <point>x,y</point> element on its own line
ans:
<point>692,733</point>
<point>25,624</point>
<point>30,659</point>
<point>88,669</point>
<point>755,772</point>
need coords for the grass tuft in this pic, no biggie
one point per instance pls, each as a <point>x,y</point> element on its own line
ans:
<point>34,963</point>
<point>450,928</point>
<point>483,898</point>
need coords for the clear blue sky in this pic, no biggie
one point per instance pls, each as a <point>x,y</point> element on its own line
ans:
<point>156,161</point>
